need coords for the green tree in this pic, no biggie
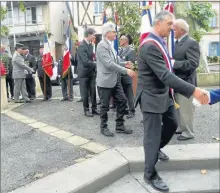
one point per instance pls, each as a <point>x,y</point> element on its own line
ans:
<point>129,18</point>
<point>4,28</point>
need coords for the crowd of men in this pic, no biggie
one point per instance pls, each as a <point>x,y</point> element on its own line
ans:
<point>163,82</point>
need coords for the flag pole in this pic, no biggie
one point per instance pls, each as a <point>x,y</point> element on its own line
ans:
<point>69,82</point>
<point>45,85</point>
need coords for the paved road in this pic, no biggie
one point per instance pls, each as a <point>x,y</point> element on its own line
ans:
<point>59,114</point>
<point>28,154</point>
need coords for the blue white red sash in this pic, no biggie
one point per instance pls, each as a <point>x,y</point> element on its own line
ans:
<point>165,56</point>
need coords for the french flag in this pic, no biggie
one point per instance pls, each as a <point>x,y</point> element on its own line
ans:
<point>66,55</point>
<point>146,19</point>
<point>170,7</point>
<point>47,59</point>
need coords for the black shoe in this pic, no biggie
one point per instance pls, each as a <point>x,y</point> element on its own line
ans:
<point>88,114</point>
<point>178,132</point>
<point>106,132</point>
<point>95,112</point>
<point>162,156</point>
<point>27,101</point>
<point>126,112</point>
<point>64,99</point>
<point>99,102</point>
<point>130,115</point>
<point>80,100</point>
<point>157,183</point>
<point>123,129</point>
<point>183,138</point>
<point>18,101</point>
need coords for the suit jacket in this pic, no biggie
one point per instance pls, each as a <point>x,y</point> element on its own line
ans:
<point>31,62</point>
<point>19,66</point>
<point>186,56</point>
<point>214,96</point>
<point>108,65</point>
<point>127,54</point>
<point>86,65</point>
<point>155,79</point>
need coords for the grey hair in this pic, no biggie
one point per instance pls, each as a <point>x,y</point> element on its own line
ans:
<point>182,24</point>
<point>161,16</point>
<point>108,27</point>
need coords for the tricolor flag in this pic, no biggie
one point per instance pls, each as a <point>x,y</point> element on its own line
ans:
<point>146,20</point>
<point>66,55</point>
<point>116,29</point>
<point>47,59</point>
<point>170,7</point>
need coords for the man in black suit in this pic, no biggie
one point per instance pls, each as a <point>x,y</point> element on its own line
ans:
<point>87,72</point>
<point>30,80</point>
<point>154,93</point>
<point>186,61</point>
<point>127,54</point>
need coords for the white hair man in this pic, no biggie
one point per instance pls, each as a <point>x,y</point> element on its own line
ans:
<point>155,95</point>
<point>108,81</point>
<point>186,56</point>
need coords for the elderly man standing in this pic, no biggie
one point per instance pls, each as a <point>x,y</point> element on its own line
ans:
<point>109,81</point>
<point>186,61</point>
<point>19,74</point>
<point>155,95</point>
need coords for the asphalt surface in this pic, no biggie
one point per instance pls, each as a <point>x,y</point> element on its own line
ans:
<point>59,114</point>
<point>28,154</point>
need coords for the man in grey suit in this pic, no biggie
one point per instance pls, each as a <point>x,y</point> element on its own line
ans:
<point>108,81</point>
<point>154,93</point>
<point>19,74</point>
<point>127,54</point>
<point>186,61</point>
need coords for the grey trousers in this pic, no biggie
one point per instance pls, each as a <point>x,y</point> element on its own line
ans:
<point>20,87</point>
<point>185,115</point>
<point>64,85</point>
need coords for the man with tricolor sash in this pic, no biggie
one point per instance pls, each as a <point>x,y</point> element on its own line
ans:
<point>156,82</point>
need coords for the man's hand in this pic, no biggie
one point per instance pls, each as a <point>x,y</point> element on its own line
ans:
<point>131,73</point>
<point>129,65</point>
<point>201,95</point>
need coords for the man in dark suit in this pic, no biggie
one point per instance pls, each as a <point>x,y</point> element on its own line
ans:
<point>154,93</point>
<point>109,81</point>
<point>186,61</point>
<point>127,54</point>
<point>40,73</point>
<point>87,72</point>
<point>30,80</point>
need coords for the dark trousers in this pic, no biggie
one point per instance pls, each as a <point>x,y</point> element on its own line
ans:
<point>88,87</point>
<point>10,83</point>
<point>48,87</point>
<point>120,100</point>
<point>30,85</point>
<point>128,90</point>
<point>156,136</point>
<point>64,86</point>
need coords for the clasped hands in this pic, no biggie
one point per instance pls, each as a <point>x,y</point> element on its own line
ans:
<point>202,96</point>
<point>129,65</point>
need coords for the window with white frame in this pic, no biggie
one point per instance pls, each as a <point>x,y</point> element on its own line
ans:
<point>98,7</point>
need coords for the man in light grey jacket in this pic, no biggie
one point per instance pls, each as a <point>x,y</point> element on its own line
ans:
<point>19,74</point>
<point>109,81</point>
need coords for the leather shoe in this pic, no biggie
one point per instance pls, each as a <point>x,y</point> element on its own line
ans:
<point>106,132</point>
<point>183,138</point>
<point>178,132</point>
<point>88,114</point>
<point>157,183</point>
<point>64,99</point>
<point>130,115</point>
<point>95,112</point>
<point>123,129</point>
<point>162,156</point>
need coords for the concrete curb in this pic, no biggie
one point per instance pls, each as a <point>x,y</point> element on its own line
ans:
<point>94,174</point>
